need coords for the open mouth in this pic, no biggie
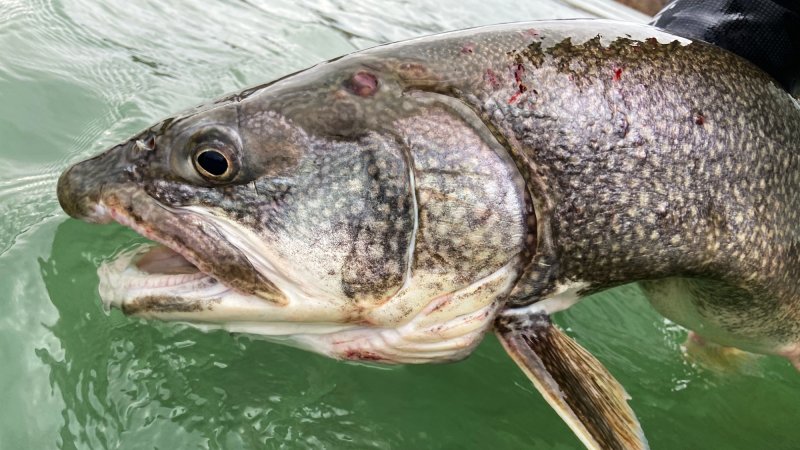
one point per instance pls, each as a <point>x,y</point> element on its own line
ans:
<point>156,275</point>
<point>152,273</point>
<point>194,243</point>
<point>163,260</point>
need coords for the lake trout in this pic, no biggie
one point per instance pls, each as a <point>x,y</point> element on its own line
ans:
<point>397,204</point>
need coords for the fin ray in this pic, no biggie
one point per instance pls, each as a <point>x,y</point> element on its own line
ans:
<point>580,389</point>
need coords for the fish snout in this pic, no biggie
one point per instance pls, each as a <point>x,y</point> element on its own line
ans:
<point>80,188</point>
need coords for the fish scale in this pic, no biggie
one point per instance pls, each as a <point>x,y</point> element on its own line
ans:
<point>396,204</point>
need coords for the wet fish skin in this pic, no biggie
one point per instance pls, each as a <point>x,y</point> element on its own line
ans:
<point>644,157</point>
<point>396,204</point>
<point>327,191</point>
<point>648,157</point>
<point>669,161</point>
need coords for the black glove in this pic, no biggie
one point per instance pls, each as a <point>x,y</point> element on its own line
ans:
<point>766,32</point>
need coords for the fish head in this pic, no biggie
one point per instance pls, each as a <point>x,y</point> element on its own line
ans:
<point>334,210</point>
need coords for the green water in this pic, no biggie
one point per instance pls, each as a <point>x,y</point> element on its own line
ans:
<point>77,76</point>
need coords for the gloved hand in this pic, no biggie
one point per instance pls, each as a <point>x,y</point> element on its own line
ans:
<point>766,32</point>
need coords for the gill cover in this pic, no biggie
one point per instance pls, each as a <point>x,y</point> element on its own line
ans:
<point>345,199</point>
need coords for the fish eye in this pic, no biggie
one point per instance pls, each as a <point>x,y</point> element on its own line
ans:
<point>214,164</point>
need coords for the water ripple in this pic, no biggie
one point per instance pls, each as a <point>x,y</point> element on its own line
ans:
<point>85,75</point>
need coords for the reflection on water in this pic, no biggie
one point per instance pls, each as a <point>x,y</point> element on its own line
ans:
<point>122,379</point>
<point>77,76</point>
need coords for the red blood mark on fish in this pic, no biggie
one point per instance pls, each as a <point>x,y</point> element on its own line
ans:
<point>362,83</point>
<point>519,71</point>
<point>517,94</point>
<point>468,48</point>
<point>531,33</point>
<point>699,118</point>
<point>442,304</point>
<point>617,74</point>
<point>491,78</point>
<point>362,355</point>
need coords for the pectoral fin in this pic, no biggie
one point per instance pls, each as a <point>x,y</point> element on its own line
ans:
<point>573,382</point>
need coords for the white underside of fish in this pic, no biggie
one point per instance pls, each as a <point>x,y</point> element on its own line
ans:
<point>159,284</point>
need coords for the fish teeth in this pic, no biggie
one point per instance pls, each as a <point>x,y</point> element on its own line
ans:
<point>121,281</point>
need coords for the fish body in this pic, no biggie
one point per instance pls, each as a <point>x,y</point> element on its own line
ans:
<point>398,203</point>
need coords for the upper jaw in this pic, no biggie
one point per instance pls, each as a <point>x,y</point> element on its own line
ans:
<point>193,236</point>
<point>199,242</point>
<point>81,187</point>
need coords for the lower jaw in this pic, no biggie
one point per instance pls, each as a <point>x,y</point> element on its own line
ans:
<point>203,303</point>
<point>126,286</point>
<point>192,297</point>
<point>355,343</point>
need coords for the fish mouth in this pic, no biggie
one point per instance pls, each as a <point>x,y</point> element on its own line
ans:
<point>162,260</point>
<point>166,257</point>
<point>156,277</point>
<point>190,267</point>
<point>153,280</point>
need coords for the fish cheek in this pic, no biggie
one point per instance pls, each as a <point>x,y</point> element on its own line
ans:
<point>344,221</point>
<point>382,231</point>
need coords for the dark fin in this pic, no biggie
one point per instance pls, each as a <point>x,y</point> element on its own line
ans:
<point>592,403</point>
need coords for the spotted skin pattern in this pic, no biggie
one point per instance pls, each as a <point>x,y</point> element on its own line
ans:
<point>649,159</point>
<point>462,235</point>
<point>590,152</point>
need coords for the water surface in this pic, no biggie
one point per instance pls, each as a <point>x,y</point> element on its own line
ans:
<point>79,75</point>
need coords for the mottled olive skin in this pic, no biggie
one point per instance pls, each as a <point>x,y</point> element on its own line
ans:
<point>639,156</point>
<point>648,158</point>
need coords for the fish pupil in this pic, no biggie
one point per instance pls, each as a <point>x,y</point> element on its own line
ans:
<point>213,162</point>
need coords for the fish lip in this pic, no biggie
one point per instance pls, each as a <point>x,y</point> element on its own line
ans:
<point>115,206</point>
<point>117,214</point>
